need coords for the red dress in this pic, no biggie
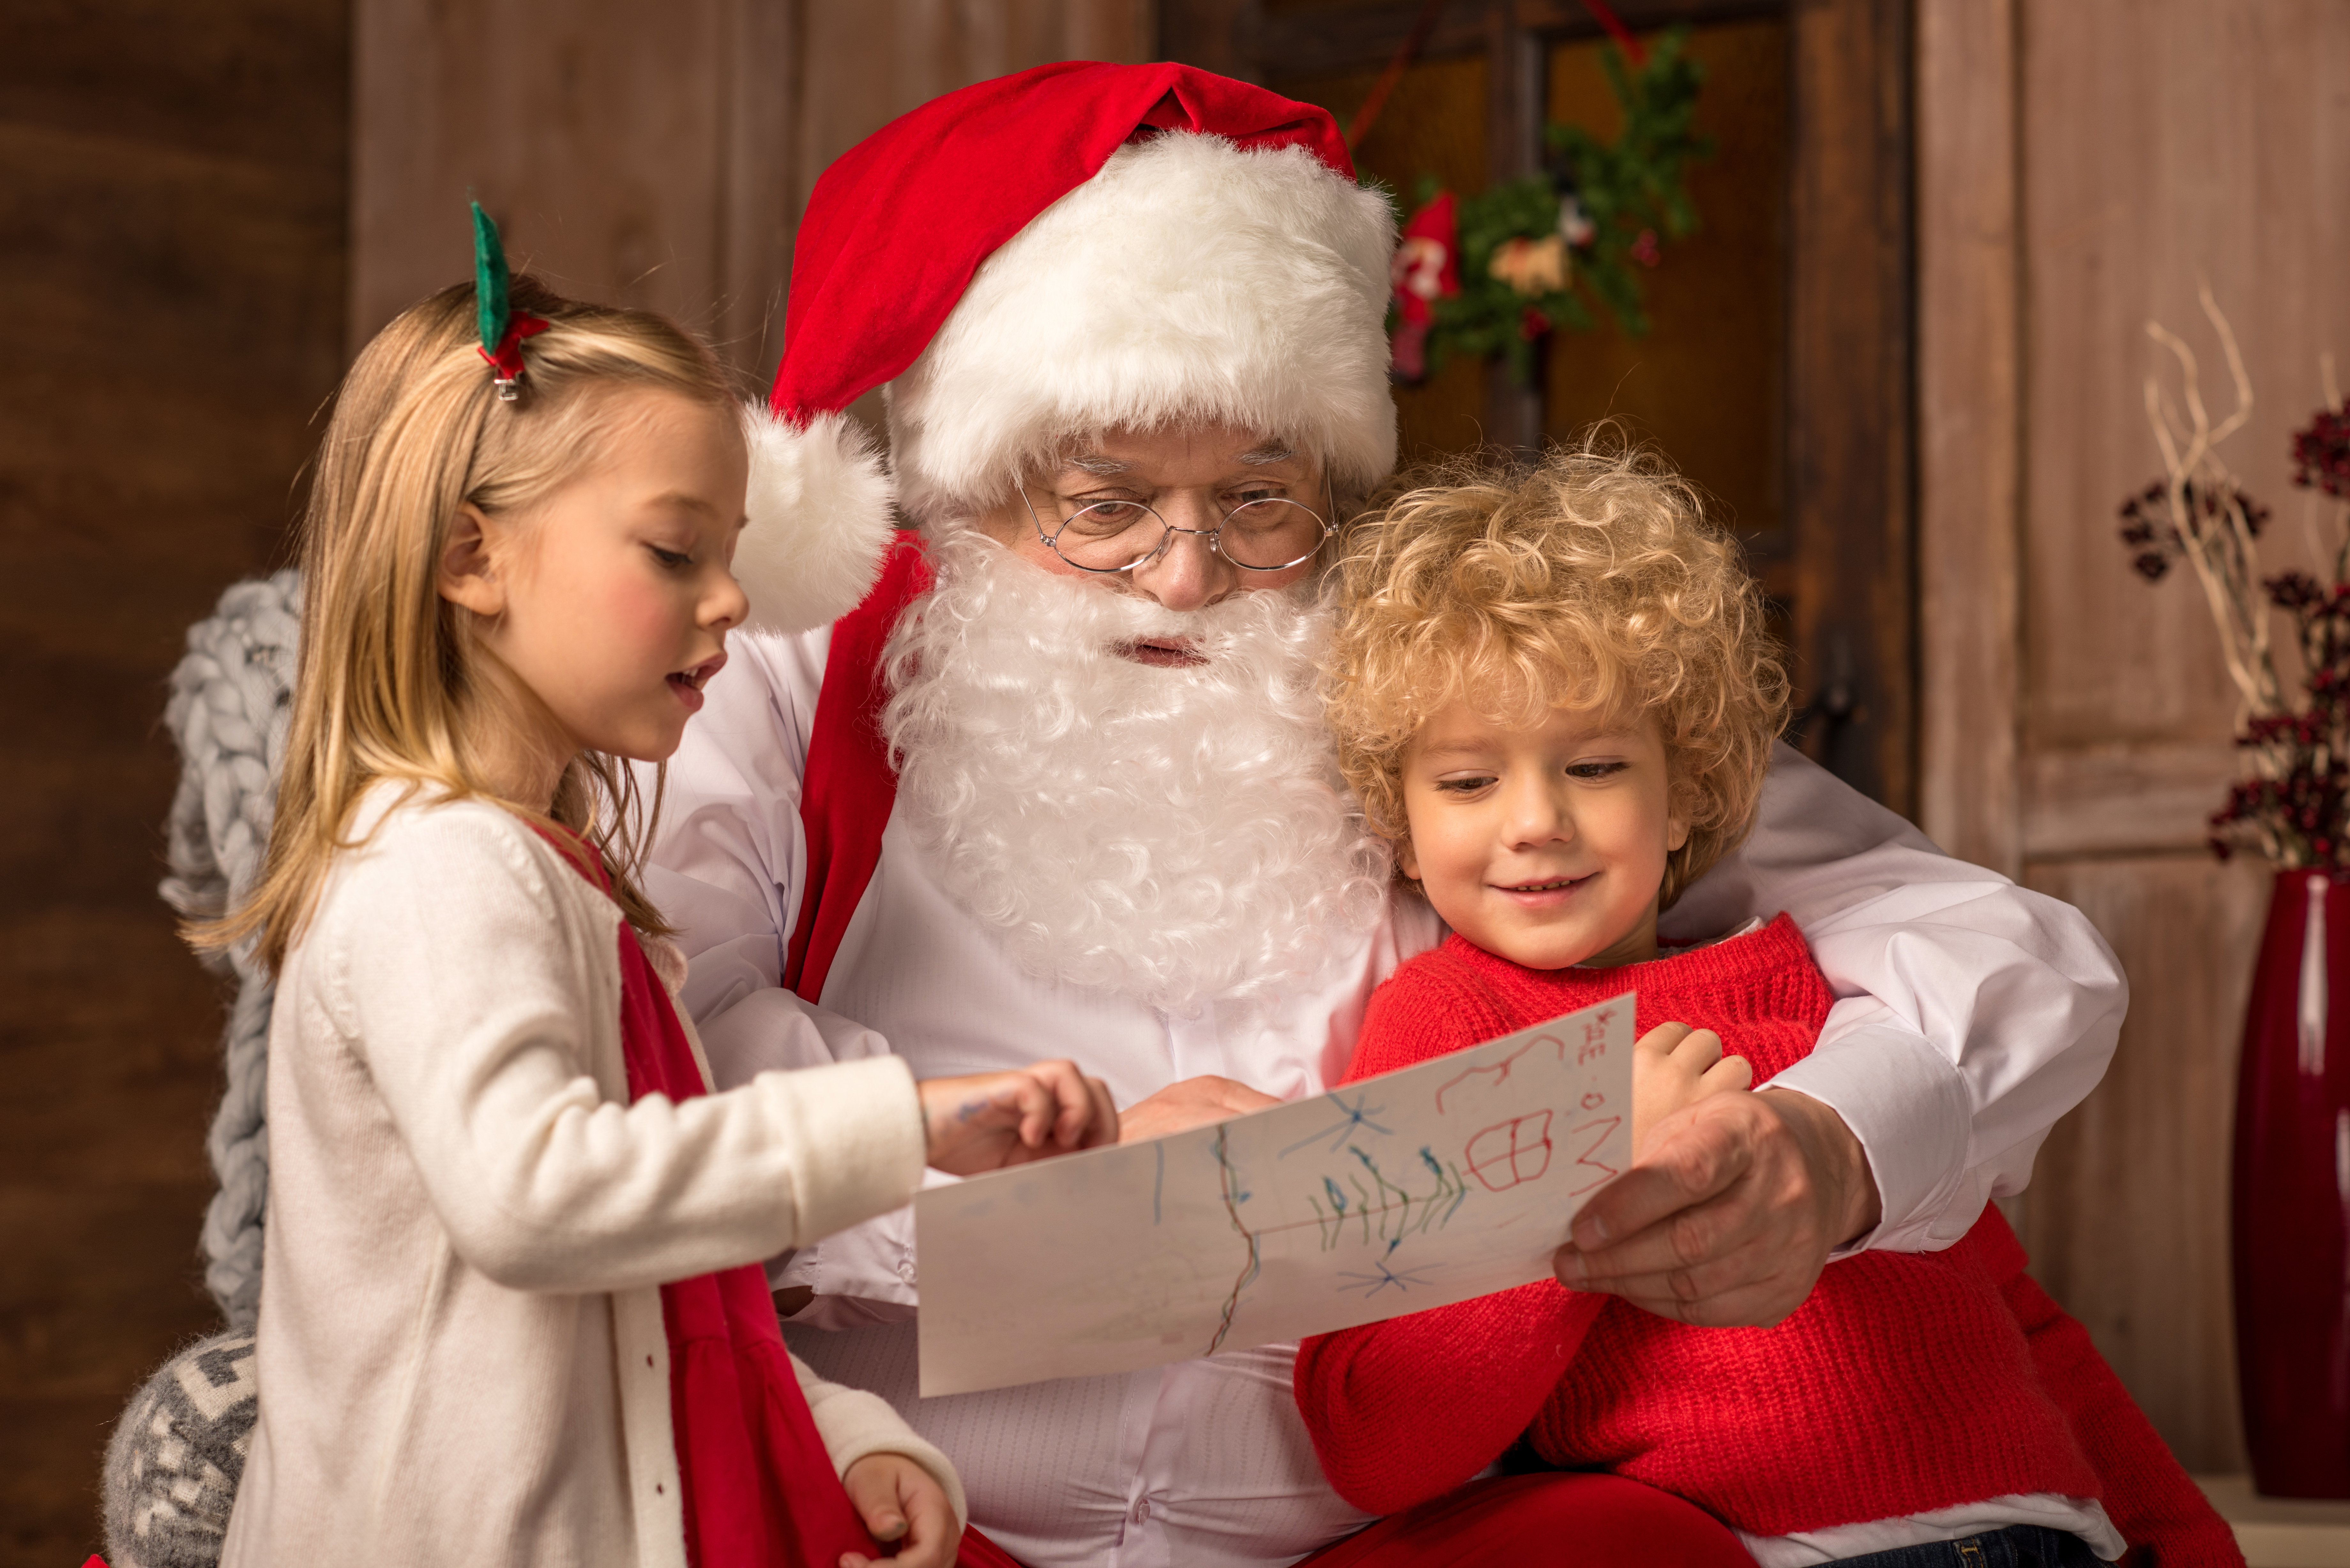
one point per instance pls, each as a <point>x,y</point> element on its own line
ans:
<point>1906,1382</point>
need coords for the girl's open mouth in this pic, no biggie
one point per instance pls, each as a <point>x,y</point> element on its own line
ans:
<point>688,684</point>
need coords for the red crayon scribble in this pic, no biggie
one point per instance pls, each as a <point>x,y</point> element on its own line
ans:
<point>1500,1071</point>
<point>1598,1131</point>
<point>1594,1035</point>
<point>1511,1153</point>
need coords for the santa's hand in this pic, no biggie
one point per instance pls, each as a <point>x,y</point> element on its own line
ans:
<point>1192,1103</point>
<point>901,1501</point>
<point>1674,1065</point>
<point>989,1120</point>
<point>1729,1214</point>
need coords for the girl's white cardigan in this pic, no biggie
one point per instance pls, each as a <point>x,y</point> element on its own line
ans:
<point>460,1352</point>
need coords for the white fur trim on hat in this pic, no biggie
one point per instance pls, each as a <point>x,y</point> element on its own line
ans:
<point>1189,279</point>
<point>820,520</point>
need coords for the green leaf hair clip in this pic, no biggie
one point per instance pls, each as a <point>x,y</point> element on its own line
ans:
<point>503,326</point>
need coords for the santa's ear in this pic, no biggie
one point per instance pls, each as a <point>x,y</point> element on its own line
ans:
<point>821,519</point>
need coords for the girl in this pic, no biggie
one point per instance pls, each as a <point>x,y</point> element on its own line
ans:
<point>1556,698</point>
<point>508,1313</point>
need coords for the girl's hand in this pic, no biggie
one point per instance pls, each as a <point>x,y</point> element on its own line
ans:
<point>1674,1065</point>
<point>990,1120</point>
<point>901,1501</point>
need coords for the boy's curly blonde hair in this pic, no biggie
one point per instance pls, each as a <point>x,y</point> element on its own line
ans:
<point>1591,581</point>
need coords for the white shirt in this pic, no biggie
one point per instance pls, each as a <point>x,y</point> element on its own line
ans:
<point>1206,1463</point>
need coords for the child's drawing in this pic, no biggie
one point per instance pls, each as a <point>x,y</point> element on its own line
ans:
<point>1447,1180</point>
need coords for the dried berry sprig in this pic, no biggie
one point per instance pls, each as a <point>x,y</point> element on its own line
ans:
<point>2293,807</point>
<point>2156,543</point>
<point>2321,455</point>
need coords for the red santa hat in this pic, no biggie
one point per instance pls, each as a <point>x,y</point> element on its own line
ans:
<point>1070,249</point>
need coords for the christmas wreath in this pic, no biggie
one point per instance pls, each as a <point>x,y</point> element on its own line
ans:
<point>1494,273</point>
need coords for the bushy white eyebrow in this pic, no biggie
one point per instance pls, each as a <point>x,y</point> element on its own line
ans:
<point>1101,465</point>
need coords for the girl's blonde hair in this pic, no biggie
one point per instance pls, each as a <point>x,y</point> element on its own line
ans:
<point>1591,581</point>
<point>387,686</point>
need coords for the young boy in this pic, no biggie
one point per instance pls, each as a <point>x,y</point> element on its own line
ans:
<point>1557,700</point>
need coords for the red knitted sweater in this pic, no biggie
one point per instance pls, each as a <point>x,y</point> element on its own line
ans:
<point>1906,1383</point>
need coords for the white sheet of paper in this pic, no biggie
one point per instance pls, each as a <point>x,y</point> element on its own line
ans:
<point>1450,1179</point>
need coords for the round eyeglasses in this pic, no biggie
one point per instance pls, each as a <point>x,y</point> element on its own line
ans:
<point>1268,536</point>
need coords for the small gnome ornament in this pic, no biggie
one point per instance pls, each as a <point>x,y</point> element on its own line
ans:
<point>1427,269</point>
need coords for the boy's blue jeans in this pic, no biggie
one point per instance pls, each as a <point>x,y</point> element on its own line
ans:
<point>2017,1546</point>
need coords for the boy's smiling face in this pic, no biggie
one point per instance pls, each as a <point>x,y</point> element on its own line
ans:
<point>1544,846</point>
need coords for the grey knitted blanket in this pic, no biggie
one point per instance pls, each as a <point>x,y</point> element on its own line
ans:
<point>176,1457</point>
<point>231,699</point>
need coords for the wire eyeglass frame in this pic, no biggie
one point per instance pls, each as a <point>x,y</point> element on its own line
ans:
<point>1167,531</point>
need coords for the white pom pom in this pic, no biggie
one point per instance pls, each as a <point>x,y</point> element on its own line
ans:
<point>820,506</point>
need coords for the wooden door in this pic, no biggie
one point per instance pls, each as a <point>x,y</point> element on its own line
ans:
<point>2082,163</point>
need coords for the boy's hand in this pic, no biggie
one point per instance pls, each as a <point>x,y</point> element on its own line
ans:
<point>990,1120</point>
<point>901,1501</point>
<point>1674,1065</point>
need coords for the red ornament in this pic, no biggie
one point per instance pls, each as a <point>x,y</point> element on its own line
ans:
<point>1427,269</point>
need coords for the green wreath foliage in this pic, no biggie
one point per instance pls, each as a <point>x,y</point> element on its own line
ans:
<point>1627,192</point>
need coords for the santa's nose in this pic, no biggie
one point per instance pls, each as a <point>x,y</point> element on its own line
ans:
<point>1187,575</point>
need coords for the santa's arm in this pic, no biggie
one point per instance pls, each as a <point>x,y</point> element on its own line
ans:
<point>727,868</point>
<point>1974,1013</point>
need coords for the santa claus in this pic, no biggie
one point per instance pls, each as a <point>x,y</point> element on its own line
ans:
<point>1057,785</point>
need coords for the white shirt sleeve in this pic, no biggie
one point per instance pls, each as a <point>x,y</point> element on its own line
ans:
<point>1971,1013</point>
<point>727,868</point>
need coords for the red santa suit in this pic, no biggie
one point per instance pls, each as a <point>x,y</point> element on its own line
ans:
<point>1082,247</point>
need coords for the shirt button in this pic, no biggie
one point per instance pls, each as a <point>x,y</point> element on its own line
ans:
<point>1142,1511</point>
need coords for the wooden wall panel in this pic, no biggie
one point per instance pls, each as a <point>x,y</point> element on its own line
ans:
<point>2127,1214</point>
<point>655,156</point>
<point>171,190</point>
<point>634,154</point>
<point>2083,163</point>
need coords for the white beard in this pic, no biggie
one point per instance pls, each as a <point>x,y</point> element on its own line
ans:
<point>1173,835</point>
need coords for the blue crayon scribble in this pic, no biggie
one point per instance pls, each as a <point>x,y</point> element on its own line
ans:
<point>1401,1212</point>
<point>1372,1283</point>
<point>1358,1115</point>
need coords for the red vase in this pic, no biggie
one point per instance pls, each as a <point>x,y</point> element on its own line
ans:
<point>2292,1197</point>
